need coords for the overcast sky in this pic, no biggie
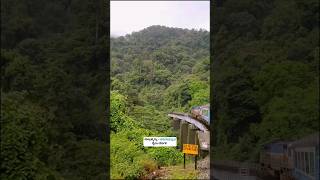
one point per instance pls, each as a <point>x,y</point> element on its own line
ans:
<point>129,16</point>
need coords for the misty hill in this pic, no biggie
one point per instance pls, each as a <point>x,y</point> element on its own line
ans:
<point>176,50</point>
<point>162,68</point>
<point>156,37</point>
<point>160,56</point>
<point>153,72</point>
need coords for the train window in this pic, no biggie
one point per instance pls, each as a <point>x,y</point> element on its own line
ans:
<point>307,162</point>
<point>299,160</point>
<point>312,163</point>
<point>205,112</point>
<point>295,159</point>
<point>303,168</point>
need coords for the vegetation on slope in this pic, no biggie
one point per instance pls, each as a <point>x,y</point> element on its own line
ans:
<point>53,65</point>
<point>266,74</point>
<point>153,72</point>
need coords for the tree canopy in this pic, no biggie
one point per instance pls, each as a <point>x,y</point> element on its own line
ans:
<point>153,72</point>
<point>266,74</point>
<point>53,74</point>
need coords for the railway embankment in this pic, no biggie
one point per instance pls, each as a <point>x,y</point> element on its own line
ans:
<point>240,170</point>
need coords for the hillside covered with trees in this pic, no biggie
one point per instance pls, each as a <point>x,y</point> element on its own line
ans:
<point>54,92</point>
<point>153,72</point>
<point>53,89</point>
<point>266,74</point>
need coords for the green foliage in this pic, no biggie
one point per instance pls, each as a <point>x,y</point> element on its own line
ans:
<point>152,95</point>
<point>190,92</point>
<point>87,161</point>
<point>125,157</point>
<point>166,155</point>
<point>266,74</point>
<point>129,158</point>
<point>118,119</point>
<point>199,92</point>
<point>177,95</point>
<point>53,60</point>
<point>202,69</point>
<point>152,74</point>
<point>23,138</point>
<point>151,118</point>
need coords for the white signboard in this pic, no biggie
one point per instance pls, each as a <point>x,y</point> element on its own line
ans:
<point>204,145</point>
<point>159,141</point>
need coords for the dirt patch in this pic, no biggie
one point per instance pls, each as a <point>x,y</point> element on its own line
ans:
<point>204,168</point>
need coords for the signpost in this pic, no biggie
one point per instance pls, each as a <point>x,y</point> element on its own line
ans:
<point>159,141</point>
<point>190,149</point>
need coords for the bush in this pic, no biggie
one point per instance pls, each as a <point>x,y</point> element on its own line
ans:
<point>166,155</point>
<point>128,160</point>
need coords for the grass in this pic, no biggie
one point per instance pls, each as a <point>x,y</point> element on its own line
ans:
<point>178,172</point>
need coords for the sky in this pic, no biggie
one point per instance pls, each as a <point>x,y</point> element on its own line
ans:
<point>132,16</point>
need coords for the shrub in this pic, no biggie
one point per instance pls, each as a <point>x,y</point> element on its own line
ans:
<point>166,155</point>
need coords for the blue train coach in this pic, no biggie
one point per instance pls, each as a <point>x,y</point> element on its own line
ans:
<point>304,154</point>
<point>201,113</point>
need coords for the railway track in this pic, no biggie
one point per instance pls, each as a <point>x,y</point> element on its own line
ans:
<point>199,123</point>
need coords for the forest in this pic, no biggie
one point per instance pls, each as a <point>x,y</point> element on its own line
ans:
<point>53,89</point>
<point>265,68</point>
<point>153,72</point>
<point>54,85</point>
<point>54,93</point>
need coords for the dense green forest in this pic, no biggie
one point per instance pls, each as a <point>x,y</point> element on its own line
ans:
<point>266,74</point>
<point>161,67</point>
<point>265,84</point>
<point>153,72</point>
<point>53,89</point>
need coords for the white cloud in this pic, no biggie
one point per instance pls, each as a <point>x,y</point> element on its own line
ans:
<point>129,16</point>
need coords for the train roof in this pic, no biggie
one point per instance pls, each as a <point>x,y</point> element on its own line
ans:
<point>276,141</point>
<point>311,140</point>
<point>203,106</point>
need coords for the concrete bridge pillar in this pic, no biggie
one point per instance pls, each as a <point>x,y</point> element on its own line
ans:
<point>183,133</point>
<point>175,124</point>
<point>191,134</point>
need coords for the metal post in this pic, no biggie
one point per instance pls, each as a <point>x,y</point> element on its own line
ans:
<point>184,160</point>
<point>195,163</point>
<point>197,142</point>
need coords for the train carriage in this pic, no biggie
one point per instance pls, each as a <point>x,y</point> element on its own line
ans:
<point>201,113</point>
<point>297,160</point>
<point>304,154</point>
<point>273,157</point>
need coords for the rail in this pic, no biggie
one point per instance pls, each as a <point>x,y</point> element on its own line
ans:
<point>182,116</point>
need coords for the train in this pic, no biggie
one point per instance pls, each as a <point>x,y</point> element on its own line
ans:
<point>292,160</point>
<point>201,113</point>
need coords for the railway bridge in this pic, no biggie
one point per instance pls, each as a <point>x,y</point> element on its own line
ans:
<point>191,131</point>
